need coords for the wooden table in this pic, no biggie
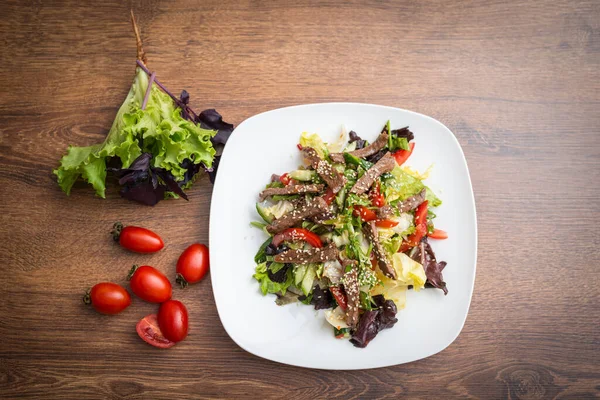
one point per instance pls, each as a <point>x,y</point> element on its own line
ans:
<point>518,83</point>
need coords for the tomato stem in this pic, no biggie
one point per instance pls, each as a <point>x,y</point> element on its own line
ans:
<point>181,281</point>
<point>116,231</point>
<point>87,300</point>
<point>132,271</point>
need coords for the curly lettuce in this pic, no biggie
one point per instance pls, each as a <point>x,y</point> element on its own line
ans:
<point>158,129</point>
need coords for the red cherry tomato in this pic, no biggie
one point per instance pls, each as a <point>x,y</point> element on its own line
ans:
<point>149,331</point>
<point>377,199</point>
<point>364,213</point>
<point>386,223</point>
<point>149,284</point>
<point>139,240</point>
<point>402,155</point>
<point>192,264</point>
<point>339,296</point>
<point>173,320</point>
<point>421,213</point>
<point>108,298</point>
<point>414,238</point>
<point>438,234</point>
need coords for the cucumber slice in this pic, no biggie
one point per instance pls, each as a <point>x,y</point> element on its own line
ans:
<point>299,273</point>
<point>302,175</point>
<point>308,280</point>
<point>263,213</point>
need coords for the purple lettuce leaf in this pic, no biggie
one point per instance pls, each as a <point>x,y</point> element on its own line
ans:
<point>360,143</point>
<point>366,330</point>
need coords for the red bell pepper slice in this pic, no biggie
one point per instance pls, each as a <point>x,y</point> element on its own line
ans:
<point>386,223</point>
<point>297,234</point>
<point>438,234</point>
<point>339,296</point>
<point>402,155</point>
<point>364,213</point>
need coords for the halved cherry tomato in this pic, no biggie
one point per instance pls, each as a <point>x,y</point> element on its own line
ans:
<point>108,298</point>
<point>404,247</point>
<point>438,234</point>
<point>297,234</point>
<point>149,284</point>
<point>402,155</point>
<point>173,320</point>
<point>364,213</point>
<point>285,179</point>
<point>377,199</point>
<point>149,331</point>
<point>339,296</point>
<point>421,213</point>
<point>328,196</point>
<point>134,238</point>
<point>192,264</point>
<point>386,223</point>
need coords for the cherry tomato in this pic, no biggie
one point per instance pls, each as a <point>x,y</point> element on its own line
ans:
<point>149,331</point>
<point>339,296</point>
<point>402,155</point>
<point>364,213</point>
<point>192,264</point>
<point>134,238</point>
<point>329,196</point>
<point>173,320</point>
<point>414,238</point>
<point>149,284</point>
<point>438,234</point>
<point>297,234</point>
<point>285,179</point>
<point>300,147</point>
<point>386,223</point>
<point>108,298</point>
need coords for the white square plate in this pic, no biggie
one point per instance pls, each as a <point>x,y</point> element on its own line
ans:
<point>296,334</point>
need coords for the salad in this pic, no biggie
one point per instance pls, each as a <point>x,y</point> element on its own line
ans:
<point>348,232</point>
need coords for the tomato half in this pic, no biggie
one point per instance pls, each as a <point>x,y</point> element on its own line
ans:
<point>386,223</point>
<point>285,179</point>
<point>339,296</point>
<point>149,331</point>
<point>192,264</point>
<point>139,240</point>
<point>108,298</point>
<point>364,213</point>
<point>377,199</point>
<point>173,320</point>
<point>149,284</point>
<point>421,213</point>
<point>293,234</point>
<point>402,155</point>
<point>414,238</point>
<point>438,234</point>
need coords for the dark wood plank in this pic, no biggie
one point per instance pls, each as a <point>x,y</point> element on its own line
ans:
<point>518,82</point>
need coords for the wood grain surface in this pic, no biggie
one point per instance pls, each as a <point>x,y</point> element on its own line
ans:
<point>518,83</point>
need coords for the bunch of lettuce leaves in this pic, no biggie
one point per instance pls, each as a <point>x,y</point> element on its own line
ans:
<point>156,146</point>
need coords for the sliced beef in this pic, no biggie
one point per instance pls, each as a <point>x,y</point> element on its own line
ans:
<point>385,212</point>
<point>308,256</point>
<point>412,202</point>
<point>371,149</point>
<point>290,189</point>
<point>352,293</point>
<point>313,207</point>
<point>386,164</point>
<point>384,264</point>
<point>330,175</point>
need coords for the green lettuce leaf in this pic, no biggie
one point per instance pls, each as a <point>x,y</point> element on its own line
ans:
<point>158,129</point>
<point>267,285</point>
<point>401,186</point>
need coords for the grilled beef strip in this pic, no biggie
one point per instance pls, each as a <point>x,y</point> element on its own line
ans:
<point>308,256</point>
<point>371,149</point>
<point>311,208</point>
<point>331,176</point>
<point>290,189</point>
<point>352,292</point>
<point>412,202</point>
<point>384,264</point>
<point>386,164</point>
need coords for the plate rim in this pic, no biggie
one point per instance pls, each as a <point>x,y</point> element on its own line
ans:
<point>471,196</point>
